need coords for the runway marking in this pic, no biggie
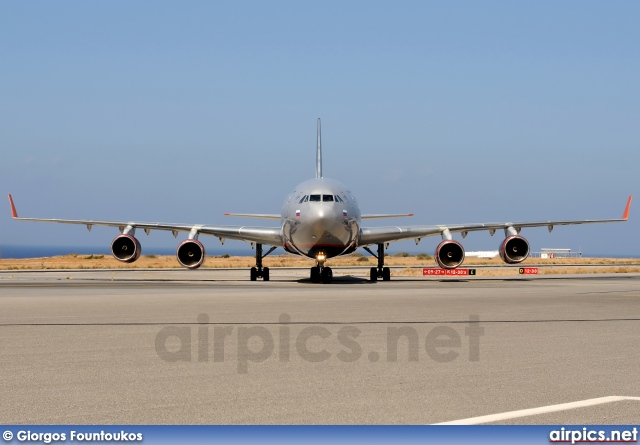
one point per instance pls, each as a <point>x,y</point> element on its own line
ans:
<point>308,323</point>
<point>105,282</point>
<point>540,410</point>
<point>124,283</point>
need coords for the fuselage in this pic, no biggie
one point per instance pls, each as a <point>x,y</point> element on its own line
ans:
<point>320,217</point>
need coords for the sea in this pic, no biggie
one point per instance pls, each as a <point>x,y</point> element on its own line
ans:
<point>10,251</point>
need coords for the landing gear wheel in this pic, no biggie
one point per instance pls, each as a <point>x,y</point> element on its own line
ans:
<point>381,272</point>
<point>327,275</point>
<point>258,271</point>
<point>315,274</point>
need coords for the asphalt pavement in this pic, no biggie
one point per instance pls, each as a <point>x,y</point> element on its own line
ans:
<point>211,347</point>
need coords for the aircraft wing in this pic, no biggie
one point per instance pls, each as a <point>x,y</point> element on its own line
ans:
<point>254,215</point>
<point>378,235</point>
<point>264,235</point>
<point>386,215</point>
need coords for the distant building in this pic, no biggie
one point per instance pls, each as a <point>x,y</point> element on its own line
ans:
<point>482,254</point>
<point>547,252</point>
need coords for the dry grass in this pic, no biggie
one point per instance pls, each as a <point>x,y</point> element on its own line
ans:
<point>169,261</point>
<point>512,271</point>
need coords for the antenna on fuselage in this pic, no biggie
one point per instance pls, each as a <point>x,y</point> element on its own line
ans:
<point>319,154</point>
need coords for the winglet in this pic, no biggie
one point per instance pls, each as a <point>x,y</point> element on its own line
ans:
<point>14,214</point>
<point>626,210</point>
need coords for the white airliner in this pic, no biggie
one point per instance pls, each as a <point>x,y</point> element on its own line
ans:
<point>319,220</point>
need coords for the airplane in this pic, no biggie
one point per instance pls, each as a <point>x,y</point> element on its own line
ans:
<point>320,219</point>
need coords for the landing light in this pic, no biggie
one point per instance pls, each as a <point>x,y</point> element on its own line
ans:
<point>321,257</point>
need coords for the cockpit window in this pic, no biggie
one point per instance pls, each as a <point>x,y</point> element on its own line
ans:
<point>302,199</point>
<point>314,198</point>
<point>327,198</point>
<point>339,199</point>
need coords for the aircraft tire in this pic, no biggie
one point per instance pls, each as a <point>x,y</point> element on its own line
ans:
<point>327,275</point>
<point>315,274</point>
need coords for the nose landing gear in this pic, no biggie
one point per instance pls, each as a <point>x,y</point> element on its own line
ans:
<point>320,273</point>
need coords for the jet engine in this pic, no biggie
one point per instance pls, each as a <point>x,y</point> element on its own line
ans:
<point>514,249</point>
<point>190,253</point>
<point>449,254</point>
<point>125,248</point>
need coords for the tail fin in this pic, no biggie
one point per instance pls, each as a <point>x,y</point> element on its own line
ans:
<point>319,154</point>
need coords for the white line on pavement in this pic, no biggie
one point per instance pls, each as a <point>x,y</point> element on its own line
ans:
<point>540,410</point>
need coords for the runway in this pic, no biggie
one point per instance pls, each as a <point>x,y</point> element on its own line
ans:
<point>211,347</point>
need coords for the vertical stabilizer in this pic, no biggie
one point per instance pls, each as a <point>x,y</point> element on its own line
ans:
<point>319,154</point>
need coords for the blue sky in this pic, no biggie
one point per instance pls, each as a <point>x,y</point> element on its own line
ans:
<point>455,111</point>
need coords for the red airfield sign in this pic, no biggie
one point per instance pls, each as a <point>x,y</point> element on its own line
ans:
<point>436,271</point>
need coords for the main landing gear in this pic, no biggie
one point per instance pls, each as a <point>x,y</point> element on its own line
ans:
<point>259,271</point>
<point>320,273</point>
<point>380,271</point>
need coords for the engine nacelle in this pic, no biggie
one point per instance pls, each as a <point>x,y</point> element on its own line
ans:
<point>190,253</point>
<point>125,248</point>
<point>514,249</point>
<point>449,254</point>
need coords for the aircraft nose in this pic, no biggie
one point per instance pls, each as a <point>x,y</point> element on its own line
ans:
<point>323,229</point>
<point>325,213</point>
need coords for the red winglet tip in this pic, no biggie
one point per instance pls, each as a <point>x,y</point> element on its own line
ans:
<point>626,210</point>
<point>14,214</point>
<point>410,214</point>
<point>227,214</point>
